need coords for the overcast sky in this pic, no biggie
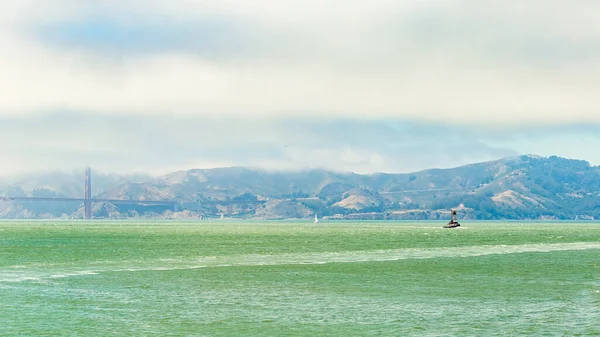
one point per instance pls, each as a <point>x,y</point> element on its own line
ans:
<point>364,86</point>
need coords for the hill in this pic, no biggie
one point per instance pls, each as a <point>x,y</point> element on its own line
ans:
<point>54,185</point>
<point>524,187</point>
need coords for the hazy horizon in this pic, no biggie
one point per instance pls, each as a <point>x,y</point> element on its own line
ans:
<point>140,175</point>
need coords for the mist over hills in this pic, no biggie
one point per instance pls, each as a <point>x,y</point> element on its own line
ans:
<point>523,187</point>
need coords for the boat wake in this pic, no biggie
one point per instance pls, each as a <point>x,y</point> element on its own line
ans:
<point>46,273</point>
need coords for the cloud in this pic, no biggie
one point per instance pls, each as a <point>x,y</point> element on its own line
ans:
<point>161,144</point>
<point>454,61</point>
<point>356,85</point>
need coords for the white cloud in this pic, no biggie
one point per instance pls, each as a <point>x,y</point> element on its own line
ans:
<point>159,85</point>
<point>160,144</point>
<point>463,61</point>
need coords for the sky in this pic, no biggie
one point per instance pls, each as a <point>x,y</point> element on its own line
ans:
<point>365,86</point>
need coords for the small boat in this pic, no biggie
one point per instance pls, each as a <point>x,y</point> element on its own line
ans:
<point>453,223</point>
<point>316,219</point>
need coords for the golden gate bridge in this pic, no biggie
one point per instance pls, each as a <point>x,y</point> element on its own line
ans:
<point>87,199</point>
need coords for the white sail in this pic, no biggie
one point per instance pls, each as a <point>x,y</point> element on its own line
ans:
<point>316,219</point>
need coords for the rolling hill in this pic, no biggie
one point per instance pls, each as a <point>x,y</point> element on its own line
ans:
<point>523,187</point>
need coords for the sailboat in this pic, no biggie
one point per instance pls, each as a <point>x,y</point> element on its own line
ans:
<point>316,219</point>
<point>222,216</point>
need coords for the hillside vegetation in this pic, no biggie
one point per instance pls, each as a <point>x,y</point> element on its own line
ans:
<point>524,187</point>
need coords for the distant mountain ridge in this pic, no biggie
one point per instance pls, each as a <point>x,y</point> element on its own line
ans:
<point>523,187</point>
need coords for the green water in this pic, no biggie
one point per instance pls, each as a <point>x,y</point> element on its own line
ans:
<point>297,279</point>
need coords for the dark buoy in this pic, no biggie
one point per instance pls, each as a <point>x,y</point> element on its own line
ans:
<point>453,223</point>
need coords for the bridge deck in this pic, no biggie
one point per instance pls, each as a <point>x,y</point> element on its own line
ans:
<point>130,201</point>
<point>112,201</point>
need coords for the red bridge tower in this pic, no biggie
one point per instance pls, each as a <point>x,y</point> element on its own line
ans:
<point>87,203</point>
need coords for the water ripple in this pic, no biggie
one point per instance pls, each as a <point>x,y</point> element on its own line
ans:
<point>22,273</point>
